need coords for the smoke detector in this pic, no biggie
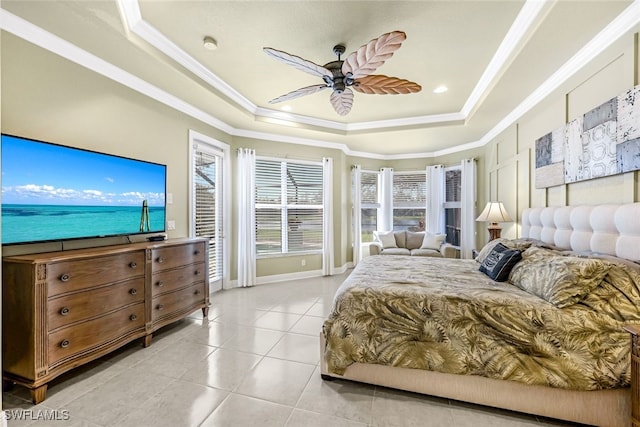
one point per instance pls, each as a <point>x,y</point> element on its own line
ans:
<point>210,43</point>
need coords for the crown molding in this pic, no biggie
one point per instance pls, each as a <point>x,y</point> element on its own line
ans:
<point>54,44</point>
<point>46,40</point>
<point>292,119</point>
<point>528,15</point>
<point>525,22</point>
<point>134,23</point>
<point>34,34</point>
<point>622,24</point>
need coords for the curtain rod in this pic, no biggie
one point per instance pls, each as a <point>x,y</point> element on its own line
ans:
<point>437,164</point>
<point>289,157</point>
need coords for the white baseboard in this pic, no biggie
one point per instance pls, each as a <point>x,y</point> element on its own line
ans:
<point>3,419</point>
<point>263,280</point>
<point>343,269</point>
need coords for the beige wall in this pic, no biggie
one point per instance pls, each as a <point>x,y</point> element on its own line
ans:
<point>509,158</point>
<point>454,159</point>
<point>47,97</point>
<point>293,263</point>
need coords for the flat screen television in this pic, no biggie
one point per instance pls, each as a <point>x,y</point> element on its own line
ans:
<point>51,192</point>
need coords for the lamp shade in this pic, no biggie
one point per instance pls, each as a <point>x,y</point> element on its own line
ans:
<point>494,212</point>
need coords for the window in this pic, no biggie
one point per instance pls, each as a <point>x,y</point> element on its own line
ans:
<point>209,201</point>
<point>409,201</point>
<point>452,204</point>
<point>408,205</point>
<point>288,207</point>
<point>207,186</point>
<point>369,204</point>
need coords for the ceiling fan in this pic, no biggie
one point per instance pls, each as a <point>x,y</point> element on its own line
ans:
<point>354,72</point>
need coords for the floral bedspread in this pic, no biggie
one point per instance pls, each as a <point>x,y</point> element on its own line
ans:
<point>444,315</point>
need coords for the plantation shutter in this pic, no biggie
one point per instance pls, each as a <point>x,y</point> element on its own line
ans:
<point>409,200</point>
<point>369,188</point>
<point>452,204</point>
<point>453,185</point>
<point>208,197</point>
<point>304,207</point>
<point>409,189</point>
<point>268,207</point>
<point>289,207</point>
<point>369,205</point>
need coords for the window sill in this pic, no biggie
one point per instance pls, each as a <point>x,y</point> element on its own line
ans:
<point>288,254</point>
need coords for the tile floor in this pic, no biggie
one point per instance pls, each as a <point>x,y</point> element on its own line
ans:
<point>254,363</point>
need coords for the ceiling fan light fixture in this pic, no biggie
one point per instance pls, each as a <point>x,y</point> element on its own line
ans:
<point>355,72</point>
<point>441,89</point>
<point>209,43</point>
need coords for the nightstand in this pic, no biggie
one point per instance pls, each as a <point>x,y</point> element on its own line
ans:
<point>635,374</point>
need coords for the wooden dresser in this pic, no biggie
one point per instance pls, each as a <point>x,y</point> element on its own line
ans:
<point>63,309</point>
<point>178,282</point>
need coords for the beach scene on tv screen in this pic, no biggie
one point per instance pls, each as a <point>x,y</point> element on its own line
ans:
<point>53,192</point>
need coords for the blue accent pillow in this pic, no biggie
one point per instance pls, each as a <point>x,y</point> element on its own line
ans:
<point>498,264</point>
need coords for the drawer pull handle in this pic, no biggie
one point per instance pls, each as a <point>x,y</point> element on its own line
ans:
<point>133,317</point>
<point>64,311</point>
<point>159,306</point>
<point>133,264</point>
<point>197,272</point>
<point>160,260</point>
<point>133,291</point>
<point>65,277</point>
<point>197,292</point>
<point>196,252</point>
<point>65,344</point>
<point>160,283</point>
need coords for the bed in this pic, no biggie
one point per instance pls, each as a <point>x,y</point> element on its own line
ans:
<point>441,327</point>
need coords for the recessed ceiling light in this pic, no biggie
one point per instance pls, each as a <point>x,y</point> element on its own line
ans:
<point>441,89</point>
<point>210,43</point>
<point>286,108</point>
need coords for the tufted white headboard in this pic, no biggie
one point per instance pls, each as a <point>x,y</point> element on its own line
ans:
<point>607,229</point>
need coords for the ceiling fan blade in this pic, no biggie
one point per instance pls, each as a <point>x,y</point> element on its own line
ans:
<point>297,62</point>
<point>342,102</point>
<point>372,55</point>
<point>384,85</point>
<point>299,92</point>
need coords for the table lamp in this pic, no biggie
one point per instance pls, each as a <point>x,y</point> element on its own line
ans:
<point>494,213</point>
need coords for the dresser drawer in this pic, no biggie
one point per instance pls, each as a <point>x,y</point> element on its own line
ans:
<point>68,309</point>
<point>80,274</point>
<point>74,339</point>
<point>167,304</point>
<point>167,281</point>
<point>165,258</point>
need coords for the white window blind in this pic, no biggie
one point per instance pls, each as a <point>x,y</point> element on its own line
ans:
<point>369,188</point>
<point>453,184</point>
<point>369,204</point>
<point>288,207</point>
<point>452,204</point>
<point>409,200</point>
<point>208,221</point>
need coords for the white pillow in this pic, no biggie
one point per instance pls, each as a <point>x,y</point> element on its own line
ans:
<point>432,241</point>
<point>387,239</point>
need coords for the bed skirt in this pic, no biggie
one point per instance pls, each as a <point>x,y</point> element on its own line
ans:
<point>605,408</point>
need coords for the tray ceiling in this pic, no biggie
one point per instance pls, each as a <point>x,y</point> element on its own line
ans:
<point>492,56</point>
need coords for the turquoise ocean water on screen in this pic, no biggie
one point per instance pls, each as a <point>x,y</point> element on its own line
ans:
<point>29,223</point>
